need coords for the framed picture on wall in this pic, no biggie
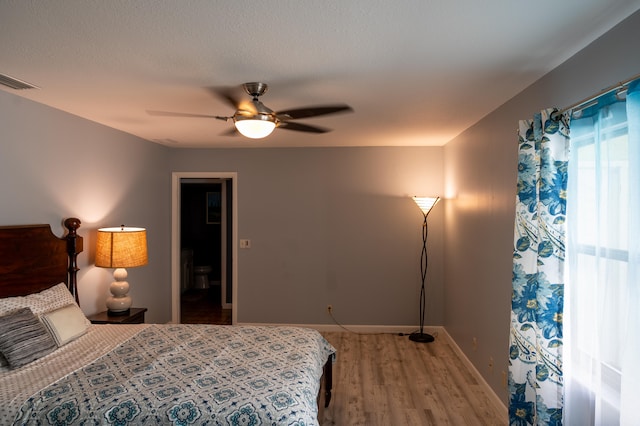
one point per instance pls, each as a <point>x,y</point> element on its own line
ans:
<point>214,203</point>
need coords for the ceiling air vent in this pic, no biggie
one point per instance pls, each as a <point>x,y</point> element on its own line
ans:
<point>14,83</point>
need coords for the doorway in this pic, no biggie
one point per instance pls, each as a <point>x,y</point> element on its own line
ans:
<point>204,230</point>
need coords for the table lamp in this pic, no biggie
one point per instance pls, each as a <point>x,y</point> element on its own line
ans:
<point>121,247</point>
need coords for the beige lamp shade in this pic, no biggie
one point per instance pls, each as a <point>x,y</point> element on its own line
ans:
<point>426,203</point>
<point>123,247</point>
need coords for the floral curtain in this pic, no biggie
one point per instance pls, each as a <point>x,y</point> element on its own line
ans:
<point>535,352</point>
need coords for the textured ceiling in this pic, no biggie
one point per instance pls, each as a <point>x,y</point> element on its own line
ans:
<point>416,72</point>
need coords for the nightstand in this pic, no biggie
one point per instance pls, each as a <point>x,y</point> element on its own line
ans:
<point>135,316</point>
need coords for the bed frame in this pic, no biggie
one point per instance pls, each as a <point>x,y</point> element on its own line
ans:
<point>33,259</point>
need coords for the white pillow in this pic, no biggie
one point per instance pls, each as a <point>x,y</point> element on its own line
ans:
<point>65,324</point>
<point>39,303</point>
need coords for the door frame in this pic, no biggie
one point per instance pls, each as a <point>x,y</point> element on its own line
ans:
<point>175,238</point>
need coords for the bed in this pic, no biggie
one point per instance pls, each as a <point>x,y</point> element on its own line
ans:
<point>58,368</point>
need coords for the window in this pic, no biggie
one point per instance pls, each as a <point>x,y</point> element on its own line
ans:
<point>598,285</point>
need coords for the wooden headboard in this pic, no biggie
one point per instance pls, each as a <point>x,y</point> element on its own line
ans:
<point>33,259</point>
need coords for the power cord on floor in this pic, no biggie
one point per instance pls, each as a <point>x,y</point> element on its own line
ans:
<point>330,311</point>
<point>434,334</point>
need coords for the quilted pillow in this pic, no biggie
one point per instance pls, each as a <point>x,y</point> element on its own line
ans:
<point>65,324</point>
<point>23,338</point>
<point>39,303</point>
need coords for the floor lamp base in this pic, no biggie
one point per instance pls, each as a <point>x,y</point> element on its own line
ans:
<point>421,337</point>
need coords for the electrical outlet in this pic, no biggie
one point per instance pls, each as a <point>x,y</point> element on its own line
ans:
<point>474,343</point>
<point>491,364</point>
<point>329,309</point>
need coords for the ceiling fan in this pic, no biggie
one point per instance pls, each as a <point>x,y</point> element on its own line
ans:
<point>255,120</point>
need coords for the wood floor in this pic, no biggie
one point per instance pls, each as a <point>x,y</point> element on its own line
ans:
<point>203,307</point>
<point>388,380</point>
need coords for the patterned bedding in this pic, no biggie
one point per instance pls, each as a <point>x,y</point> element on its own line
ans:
<point>191,374</point>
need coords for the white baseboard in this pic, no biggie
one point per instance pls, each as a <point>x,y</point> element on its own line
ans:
<point>391,329</point>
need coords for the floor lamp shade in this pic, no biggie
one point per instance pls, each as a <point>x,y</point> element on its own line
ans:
<point>425,204</point>
<point>120,248</point>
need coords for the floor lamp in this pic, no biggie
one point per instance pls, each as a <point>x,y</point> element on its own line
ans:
<point>425,204</point>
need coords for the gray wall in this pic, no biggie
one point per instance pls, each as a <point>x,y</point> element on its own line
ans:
<point>328,226</point>
<point>480,176</point>
<point>332,226</point>
<point>54,165</point>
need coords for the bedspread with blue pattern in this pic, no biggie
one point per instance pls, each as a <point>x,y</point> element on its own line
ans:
<point>192,374</point>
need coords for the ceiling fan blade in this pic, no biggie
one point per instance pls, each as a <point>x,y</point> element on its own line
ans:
<point>299,127</point>
<point>313,111</point>
<point>227,94</point>
<point>184,114</point>
<point>231,132</point>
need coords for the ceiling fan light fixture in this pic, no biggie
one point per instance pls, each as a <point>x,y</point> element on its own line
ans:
<point>255,127</point>
<point>255,120</point>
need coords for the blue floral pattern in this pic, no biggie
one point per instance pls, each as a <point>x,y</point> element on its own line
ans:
<point>63,414</point>
<point>245,415</point>
<point>123,413</point>
<point>535,352</point>
<point>184,414</point>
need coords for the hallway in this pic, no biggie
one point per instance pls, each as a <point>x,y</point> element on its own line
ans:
<point>202,306</point>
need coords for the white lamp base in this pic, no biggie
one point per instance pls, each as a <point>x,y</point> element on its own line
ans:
<point>119,302</point>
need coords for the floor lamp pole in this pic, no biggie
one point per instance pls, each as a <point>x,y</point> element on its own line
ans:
<point>420,336</point>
